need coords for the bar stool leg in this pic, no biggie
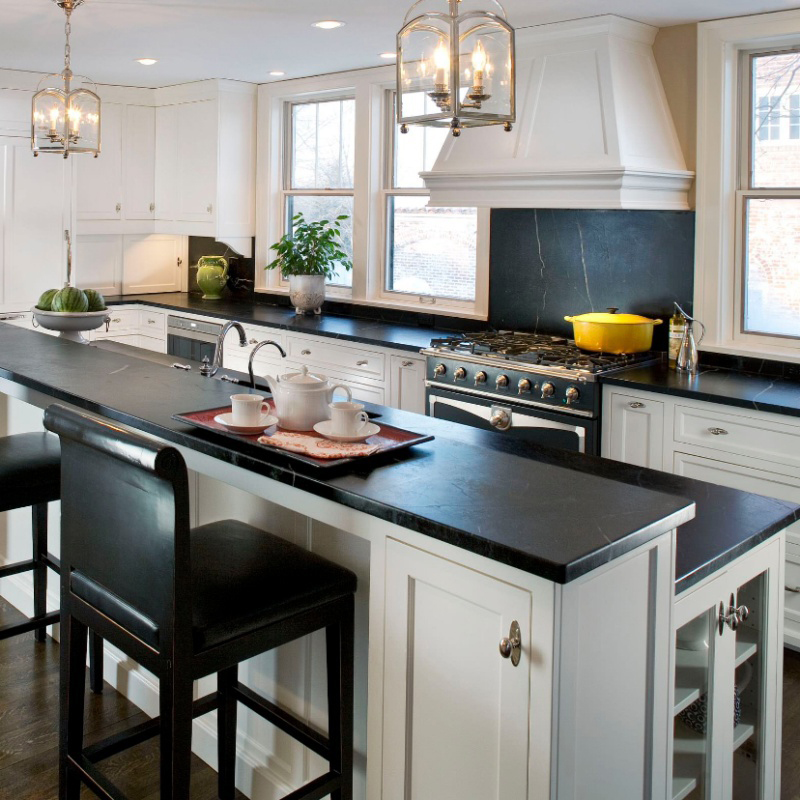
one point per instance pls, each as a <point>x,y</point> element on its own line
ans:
<point>339,640</point>
<point>226,732</point>
<point>39,528</point>
<point>73,681</point>
<point>175,705</point>
<point>95,662</point>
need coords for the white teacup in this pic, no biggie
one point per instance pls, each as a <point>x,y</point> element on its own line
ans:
<point>348,419</point>
<point>247,409</point>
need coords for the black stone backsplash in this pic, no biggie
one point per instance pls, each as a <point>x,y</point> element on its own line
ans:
<point>241,270</point>
<point>546,264</point>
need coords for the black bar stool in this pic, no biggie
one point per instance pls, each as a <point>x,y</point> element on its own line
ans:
<point>30,475</point>
<point>184,604</point>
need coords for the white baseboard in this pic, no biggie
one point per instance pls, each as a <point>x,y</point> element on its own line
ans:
<point>254,778</point>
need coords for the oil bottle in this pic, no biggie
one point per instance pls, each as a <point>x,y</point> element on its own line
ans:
<point>677,328</point>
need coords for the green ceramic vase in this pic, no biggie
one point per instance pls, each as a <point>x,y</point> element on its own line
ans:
<point>212,275</point>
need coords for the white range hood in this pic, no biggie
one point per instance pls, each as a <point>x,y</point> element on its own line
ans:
<point>593,128</point>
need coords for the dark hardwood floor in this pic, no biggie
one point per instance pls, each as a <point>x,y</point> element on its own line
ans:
<point>29,728</point>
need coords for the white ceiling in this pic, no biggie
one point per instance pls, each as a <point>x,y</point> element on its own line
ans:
<point>246,39</point>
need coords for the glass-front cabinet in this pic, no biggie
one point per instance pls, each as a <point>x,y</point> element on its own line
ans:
<point>727,673</point>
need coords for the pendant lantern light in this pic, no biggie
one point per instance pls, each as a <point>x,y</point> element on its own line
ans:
<point>66,119</point>
<point>455,66</point>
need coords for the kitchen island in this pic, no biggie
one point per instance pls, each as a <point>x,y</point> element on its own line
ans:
<point>452,542</point>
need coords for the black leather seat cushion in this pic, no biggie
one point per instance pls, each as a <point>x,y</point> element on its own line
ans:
<point>244,578</point>
<point>30,470</point>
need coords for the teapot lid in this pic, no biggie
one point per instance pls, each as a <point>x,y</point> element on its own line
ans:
<point>304,380</point>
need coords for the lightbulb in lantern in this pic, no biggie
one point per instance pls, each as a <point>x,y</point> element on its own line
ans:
<point>441,60</point>
<point>53,120</point>
<point>74,121</point>
<point>479,64</point>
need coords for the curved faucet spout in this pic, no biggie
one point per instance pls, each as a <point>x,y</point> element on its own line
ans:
<point>253,355</point>
<point>208,371</point>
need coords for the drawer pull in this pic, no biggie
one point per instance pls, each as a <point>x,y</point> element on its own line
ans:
<point>119,207</point>
<point>253,341</point>
<point>151,322</point>
<point>636,405</point>
<point>116,319</point>
<point>305,352</point>
<point>408,363</point>
<point>796,589</point>
<point>362,363</point>
<point>718,431</point>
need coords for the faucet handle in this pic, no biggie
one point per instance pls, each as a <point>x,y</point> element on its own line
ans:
<point>205,368</point>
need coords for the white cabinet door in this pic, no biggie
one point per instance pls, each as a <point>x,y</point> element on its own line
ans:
<point>33,223</point>
<point>455,711</point>
<point>197,137</point>
<point>99,189</point>
<point>150,264</point>
<point>407,384</point>
<point>98,263</point>
<point>140,156</point>
<point>634,430</point>
<point>166,176</point>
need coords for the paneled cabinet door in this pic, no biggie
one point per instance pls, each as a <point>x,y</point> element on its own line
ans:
<point>140,168</point>
<point>455,712</point>
<point>166,174</point>
<point>99,189</point>
<point>407,383</point>
<point>98,263</point>
<point>634,430</point>
<point>197,137</point>
<point>150,264</point>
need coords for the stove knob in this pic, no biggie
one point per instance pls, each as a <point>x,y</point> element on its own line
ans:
<point>460,374</point>
<point>572,395</point>
<point>480,378</point>
<point>439,370</point>
<point>501,382</point>
<point>524,386</point>
<point>548,390</point>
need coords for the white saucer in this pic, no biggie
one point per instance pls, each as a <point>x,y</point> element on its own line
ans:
<point>324,429</point>
<point>227,420</point>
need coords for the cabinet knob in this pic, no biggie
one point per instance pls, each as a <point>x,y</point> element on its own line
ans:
<point>119,207</point>
<point>305,352</point>
<point>408,363</point>
<point>636,405</point>
<point>152,206</point>
<point>210,208</point>
<point>511,645</point>
<point>733,616</point>
<point>718,431</point>
<point>253,341</point>
<point>362,363</point>
<point>116,319</point>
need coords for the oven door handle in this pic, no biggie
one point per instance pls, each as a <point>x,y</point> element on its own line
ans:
<point>503,418</point>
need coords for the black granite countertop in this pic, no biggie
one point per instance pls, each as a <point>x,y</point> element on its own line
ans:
<point>716,385</point>
<point>540,515</point>
<point>367,331</point>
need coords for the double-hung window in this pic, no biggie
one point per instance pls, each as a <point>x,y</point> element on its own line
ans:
<point>319,170</point>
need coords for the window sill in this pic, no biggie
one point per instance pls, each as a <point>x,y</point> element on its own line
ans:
<point>790,354</point>
<point>419,308</point>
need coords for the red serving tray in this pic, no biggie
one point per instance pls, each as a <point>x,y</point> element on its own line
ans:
<point>389,438</point>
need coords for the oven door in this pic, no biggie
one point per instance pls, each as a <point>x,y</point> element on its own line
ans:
<point>517,421</point>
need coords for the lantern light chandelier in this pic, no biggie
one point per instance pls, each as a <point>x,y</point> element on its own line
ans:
<point>66,120</point>
<point>455,66</point>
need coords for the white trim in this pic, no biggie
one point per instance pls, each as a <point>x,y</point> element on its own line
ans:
<point>717,270</point>
<point>369,224</point>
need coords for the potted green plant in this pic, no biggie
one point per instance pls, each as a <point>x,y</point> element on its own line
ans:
<point>308,255</point>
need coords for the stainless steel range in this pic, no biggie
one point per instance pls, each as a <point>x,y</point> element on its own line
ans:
<point>533,387</point>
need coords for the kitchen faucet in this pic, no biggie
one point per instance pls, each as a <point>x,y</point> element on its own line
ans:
<point>253,355</point>
<point>210,370</point>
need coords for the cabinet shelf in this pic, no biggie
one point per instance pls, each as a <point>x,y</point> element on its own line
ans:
<point>746,644</point>
<point>741,733</point>
<point>683,787</point>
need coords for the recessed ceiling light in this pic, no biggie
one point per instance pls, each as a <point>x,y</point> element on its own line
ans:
<point>328,24</point>
<point>388,55</point>
<point>147,62</point>
<point>277,73</point>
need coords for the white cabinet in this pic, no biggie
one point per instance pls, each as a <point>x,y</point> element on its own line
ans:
<point>98,263</point>
<point>166,163</point>
<point>197,140</point>
<point>139,176</point>
<point>99,180</point>
<point>407,383</point>
<point>35,215</point>
<point>638,429</point>
<point>455,712</point>
<point>727,670</point>
<point>152,263</point>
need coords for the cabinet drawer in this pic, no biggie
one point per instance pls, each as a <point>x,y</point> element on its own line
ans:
<point>152,323</point>
<point>754,436</point>
<point>122,321</point>
<point>352,360</point>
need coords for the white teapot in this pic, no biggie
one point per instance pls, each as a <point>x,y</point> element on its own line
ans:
<point>302,398</point>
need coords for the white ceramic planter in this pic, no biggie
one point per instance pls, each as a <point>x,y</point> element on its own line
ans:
<point>307,293</point>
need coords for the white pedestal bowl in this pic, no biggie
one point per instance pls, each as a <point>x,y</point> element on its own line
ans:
<point>70,324</point>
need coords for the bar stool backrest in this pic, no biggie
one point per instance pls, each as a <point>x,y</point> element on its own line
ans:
<point>125,527</point>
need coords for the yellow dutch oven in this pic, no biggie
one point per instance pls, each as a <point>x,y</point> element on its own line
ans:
<point>609,332</point>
